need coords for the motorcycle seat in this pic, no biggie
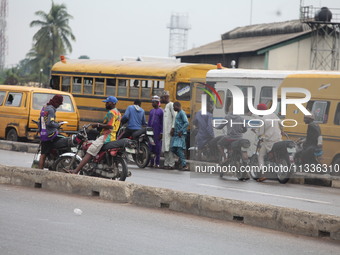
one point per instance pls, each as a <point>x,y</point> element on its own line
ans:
<point>138,133</point>
<point>115,144</point>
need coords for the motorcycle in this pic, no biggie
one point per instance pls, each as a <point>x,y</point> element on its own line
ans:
<point>278,162</point>
<point>316,154</point>
<point>236,156</point>
<point>62,145</point>
<point>109,162</point>
<point>143,138</point>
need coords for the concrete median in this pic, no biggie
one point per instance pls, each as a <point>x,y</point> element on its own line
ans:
<point>297,178</point>
<point>255,214</point>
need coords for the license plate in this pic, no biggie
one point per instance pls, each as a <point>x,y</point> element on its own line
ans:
<point>291,150</point>
<point>149,132</point>
<point>152,142</point>
<point>129,150</point>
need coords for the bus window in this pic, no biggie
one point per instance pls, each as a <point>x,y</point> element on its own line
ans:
<point>40,99</point>
<point>320,111</point>
<point>183,91</point>
<point>266,95</point>
<point>218,105</point>
<point>110,87</point>
<point>134,88</point>
<point>2,96</point>
<point>99,86</point>
<point>14,99</point>
<point>67,105</point>
<point>146,89</point>
<point>337,115</point>
<point>158,87</point>
<point>76,86</point>
<point>55,82</point>
<point>88,85</point>
<point>66,84</point>
<point>122,87</point>
<point>229,99</point>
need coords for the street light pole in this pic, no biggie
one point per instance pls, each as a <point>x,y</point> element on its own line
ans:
<point>41,70</point>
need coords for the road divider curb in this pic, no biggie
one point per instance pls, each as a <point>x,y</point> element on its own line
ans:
<point>18,146</point>
<point>255,214</point>
<point>298,178</point>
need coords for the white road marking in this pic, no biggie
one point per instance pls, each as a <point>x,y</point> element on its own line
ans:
<point>266,194</point>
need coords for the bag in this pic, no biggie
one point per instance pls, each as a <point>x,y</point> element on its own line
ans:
<point>44,136</point>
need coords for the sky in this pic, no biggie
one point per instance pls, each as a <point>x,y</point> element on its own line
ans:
<point>112,29</point>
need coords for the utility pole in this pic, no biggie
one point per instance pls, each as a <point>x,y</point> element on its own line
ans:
<point>3,39</point>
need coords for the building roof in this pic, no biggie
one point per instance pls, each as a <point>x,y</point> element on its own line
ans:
<point>252,38</point>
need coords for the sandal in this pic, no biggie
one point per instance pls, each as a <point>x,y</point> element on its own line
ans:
<point>185,168</point>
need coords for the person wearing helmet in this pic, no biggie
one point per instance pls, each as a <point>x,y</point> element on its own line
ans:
<point>109,128</point>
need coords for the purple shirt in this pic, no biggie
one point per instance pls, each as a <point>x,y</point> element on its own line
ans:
<point>156,121</point>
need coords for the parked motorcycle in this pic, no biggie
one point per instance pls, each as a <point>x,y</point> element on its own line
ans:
<point>109,162</point>
<point>62,145</point>
<point>143,138</point>
<point>278,162</point>
<point>237,156</point>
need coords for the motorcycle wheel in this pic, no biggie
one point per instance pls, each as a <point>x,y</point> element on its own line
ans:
<point>252,172</point>
<point>283,176</point>
<point>241,176</point>
<point>143,157</point>
<point>63,163</point>
<point>119,162</point>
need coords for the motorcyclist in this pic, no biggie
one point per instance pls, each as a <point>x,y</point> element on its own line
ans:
<point>48,127</point>
<point>109,127</point>
<point>313,141</point>
<point>135,117</point>
<point>235,130</point>
<point>271,131</point>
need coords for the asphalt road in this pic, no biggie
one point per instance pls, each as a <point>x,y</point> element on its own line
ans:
<point>305,197</point>
<point>40,222</point>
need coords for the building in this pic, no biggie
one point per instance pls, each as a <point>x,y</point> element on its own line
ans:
<point>273,46</point>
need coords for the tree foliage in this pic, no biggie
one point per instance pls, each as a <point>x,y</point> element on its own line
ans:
<point>51,40</point>
<point>53,37</point>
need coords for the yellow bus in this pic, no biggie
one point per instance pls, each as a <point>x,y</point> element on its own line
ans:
<point>19,105</point>
<point>91,81</point>
<point>324,105</point>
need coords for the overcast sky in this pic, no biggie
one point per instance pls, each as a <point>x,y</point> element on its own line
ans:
<point>112,29</point>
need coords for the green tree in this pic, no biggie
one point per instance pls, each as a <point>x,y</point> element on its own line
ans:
<point>53,37</point>
<point>84,57</point>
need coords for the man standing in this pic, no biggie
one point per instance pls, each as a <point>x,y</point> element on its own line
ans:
<point>168,127</point>
<point>204,126</point>
<point>178,144</point>
<point>109,127</point>
<point>135,116</point>
<point>156,122</point>
<point>48,127</point>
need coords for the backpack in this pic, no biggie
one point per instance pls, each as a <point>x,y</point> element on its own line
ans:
<point>44,136</point>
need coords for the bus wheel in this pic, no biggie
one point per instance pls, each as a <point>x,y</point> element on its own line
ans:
<point>336,167</point>
<point>12,135</point>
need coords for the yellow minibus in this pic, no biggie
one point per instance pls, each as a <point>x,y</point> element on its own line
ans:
<point>19,105</point>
